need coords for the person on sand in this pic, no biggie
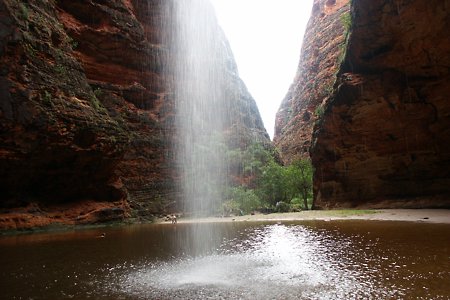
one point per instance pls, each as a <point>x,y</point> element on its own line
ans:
<point>173,218</point>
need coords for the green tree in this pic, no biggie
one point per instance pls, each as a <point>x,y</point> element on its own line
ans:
<point>268,182</point>
<point>254,158</point>
<point>248,163</point>
<point>241,201</point>
<point>272,183</point>
<point>282,184</point>
<point>302,173</point>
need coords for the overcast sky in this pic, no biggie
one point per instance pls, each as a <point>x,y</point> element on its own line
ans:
<point>266,37</point>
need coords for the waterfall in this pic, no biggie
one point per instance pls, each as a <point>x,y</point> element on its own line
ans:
<point>199,70</point>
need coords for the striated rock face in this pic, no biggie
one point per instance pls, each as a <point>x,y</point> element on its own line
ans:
<point>119,44</point>
<point>384,136</point>
<point>56,140</point>
<point>86,110</point>
<point>373,85</point>
<point>313,84</point>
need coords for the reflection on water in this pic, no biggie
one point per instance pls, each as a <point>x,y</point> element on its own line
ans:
<point>309,260</point>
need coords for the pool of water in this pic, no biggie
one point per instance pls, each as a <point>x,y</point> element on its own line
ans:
<point>293,260</point>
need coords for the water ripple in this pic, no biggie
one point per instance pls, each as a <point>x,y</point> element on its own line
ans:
<point>269,262</point>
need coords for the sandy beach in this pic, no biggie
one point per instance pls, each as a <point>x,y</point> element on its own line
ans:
<point>410,215</point>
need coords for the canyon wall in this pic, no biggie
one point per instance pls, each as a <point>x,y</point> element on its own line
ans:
<point>383,138</point>
<point>313,84</point>
<point>381,131</point>
<point>87,111</point>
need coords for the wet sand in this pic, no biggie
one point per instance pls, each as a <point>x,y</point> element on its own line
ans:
<point>411,215</point>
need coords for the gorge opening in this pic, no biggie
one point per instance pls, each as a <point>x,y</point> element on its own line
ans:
<point>266,39</point>
<point>206,69</point>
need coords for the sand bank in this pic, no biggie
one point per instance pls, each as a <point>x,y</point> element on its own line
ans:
<point>411,215</point>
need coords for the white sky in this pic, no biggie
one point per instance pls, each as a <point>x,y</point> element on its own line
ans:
<point>266,37</point>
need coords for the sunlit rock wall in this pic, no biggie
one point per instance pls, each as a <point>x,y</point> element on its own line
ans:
<point>321,54</point>
<point>86,111</point>
<point>384,136</point>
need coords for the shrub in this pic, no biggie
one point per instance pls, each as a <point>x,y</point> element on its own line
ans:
<point>47,98</point>
<point>282,207</point>
<point>241,201</point>
<point>73,44</point>
<point>60,69</point>
<point>230,207</point>
<point>296,200</point>
<point>319,111</point>
<point>296,207</point>
<point>346,20</point>
<point>24,13</point>
<point>98,92</point>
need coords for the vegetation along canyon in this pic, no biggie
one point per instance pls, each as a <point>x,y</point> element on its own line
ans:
<point>135,164</point>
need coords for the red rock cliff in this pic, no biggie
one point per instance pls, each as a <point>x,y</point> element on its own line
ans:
<point>381,128</point>
<point>384,136</point>
<point>56,138</point>
<point>86,114</point>
<point>313,84</point>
